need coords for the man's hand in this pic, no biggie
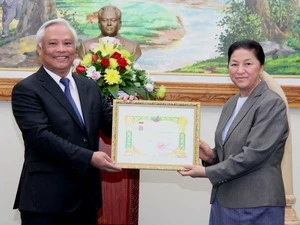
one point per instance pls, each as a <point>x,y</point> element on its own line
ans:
<point>102,161</point>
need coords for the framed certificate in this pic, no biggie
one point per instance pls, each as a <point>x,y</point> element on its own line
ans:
<point>155,134</point>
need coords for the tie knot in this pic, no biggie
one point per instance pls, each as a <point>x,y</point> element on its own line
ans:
<point>65,81</point>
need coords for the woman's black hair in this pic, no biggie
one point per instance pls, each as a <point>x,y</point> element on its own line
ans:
<point>249,45</point>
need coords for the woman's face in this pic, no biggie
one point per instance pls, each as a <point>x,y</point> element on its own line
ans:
<point>244,70</point>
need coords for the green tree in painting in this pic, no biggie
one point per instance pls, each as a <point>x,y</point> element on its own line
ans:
<point>257,19</point>
<point>274,20</point>
<point>238,24</point>
<point>294,38</point>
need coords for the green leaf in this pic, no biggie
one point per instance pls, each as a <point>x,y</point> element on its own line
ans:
<point>101,82</point>
<point>130,90</point>
<point>113,90</point>
<point>152,95</point>
<point>142,92</point>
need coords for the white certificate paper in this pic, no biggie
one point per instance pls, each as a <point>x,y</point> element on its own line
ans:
<point>155,134</point>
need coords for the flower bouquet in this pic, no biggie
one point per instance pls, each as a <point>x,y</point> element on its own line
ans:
<point>113,68</point>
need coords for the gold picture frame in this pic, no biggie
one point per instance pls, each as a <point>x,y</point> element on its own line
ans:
<point>161,135</point>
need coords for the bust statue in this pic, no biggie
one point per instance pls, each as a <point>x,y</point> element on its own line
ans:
<point>110,21</point>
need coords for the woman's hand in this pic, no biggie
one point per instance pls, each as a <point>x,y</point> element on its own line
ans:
<point>193,171</point>
<point>206,153</point>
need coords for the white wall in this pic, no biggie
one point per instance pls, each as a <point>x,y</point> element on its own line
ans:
<point>10,164</point>
<point>295,127</point>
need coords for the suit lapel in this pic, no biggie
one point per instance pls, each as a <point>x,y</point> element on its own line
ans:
<point>241,114</point>
<point>246,107</point>
<point>229,110</point>
<point>52,88</point>
<point>226,116</point>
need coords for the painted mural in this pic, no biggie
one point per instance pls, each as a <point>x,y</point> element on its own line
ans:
<point>176,36</point>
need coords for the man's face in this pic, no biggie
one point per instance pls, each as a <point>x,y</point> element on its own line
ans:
<point>109,23</point>
<point>58,49</point>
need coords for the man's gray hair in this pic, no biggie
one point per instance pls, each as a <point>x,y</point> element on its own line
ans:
<point>41,32</point>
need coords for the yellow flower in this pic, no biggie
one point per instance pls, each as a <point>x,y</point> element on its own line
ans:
<point>113,63</point>
<point>109,48</point>
<point>97,49</point>
<point>106,49</point>
<point>87,60</point>
<point>112,76</point>
<point>125,53</point>
<point>128,61</point>
<point>161,92</point>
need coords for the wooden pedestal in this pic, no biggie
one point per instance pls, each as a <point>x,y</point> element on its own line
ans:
<point>120,193</point>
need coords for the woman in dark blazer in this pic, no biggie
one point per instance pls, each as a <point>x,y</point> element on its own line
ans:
<point>244,167</point>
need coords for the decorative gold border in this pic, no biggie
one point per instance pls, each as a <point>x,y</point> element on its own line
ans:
<point>117,104</point>
<point>6,85</point>
<point>179,74</point>
<point>205,93</point>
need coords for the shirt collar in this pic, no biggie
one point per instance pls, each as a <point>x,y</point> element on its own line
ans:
<point>57,78</point>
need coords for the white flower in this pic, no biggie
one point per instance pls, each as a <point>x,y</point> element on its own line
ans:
<point>133,77</point>
<point>149,79</point>
<point>76,62</point>
<point>111,40</point>
<point>149,87</point>
<point>92,73</point>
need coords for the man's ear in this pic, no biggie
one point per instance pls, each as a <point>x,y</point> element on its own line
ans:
<point>38,53</point>
<point>38,50</point>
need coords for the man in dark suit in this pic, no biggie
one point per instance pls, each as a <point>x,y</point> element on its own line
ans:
<point>110,21</point>
<point>60,183</point>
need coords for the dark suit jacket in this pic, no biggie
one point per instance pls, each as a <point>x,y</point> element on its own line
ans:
<point>247,171</point>
<point>56,174</point>
<point>131,46</point>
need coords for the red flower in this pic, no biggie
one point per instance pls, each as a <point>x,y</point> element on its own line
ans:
<point>94,58</point>
<point>105,62</point>
<point>122,62</point>
<point>116,55</point>
<point>80,69</point>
